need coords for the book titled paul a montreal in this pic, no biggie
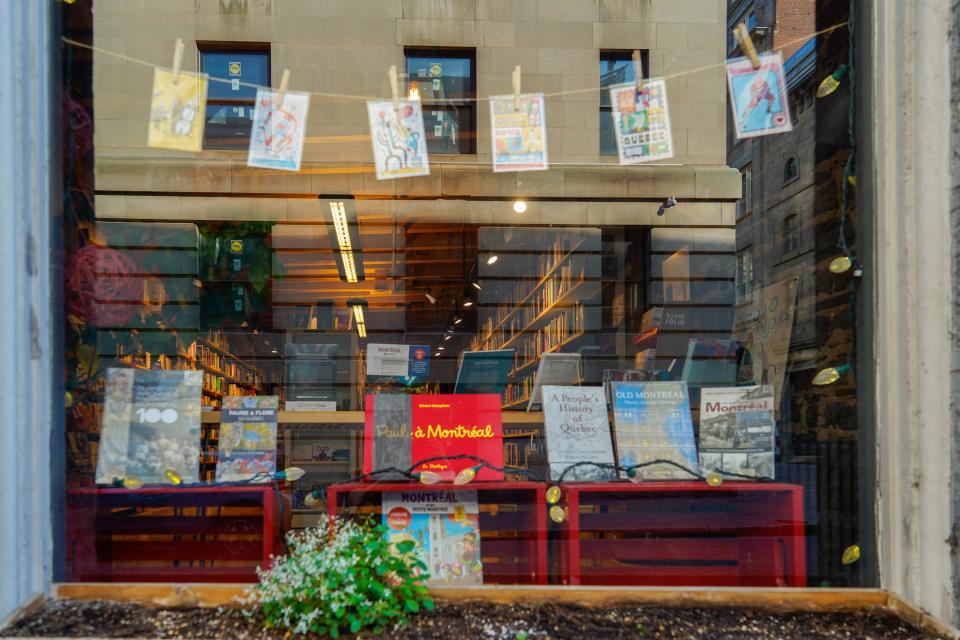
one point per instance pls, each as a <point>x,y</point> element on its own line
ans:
<point>737,430</point>
<point>653,422</point>
<point>445,529</point>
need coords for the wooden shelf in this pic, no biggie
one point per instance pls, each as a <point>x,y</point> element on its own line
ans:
<point>319,463</point>
<point>313,418</point>
<point>536,287</point>
<point>545,316</point>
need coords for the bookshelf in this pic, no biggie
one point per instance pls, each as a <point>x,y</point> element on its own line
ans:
<point>556,309</point>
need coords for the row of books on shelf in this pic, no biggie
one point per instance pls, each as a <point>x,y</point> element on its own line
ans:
<point>228,366</point>
<point>492,336</point>
<point>564,327</point>
<point>518,391</point>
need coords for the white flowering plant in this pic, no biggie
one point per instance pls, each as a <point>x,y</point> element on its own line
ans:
<point>339,576</point>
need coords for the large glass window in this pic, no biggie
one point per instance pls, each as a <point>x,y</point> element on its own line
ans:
<point>616,67</point>
<point>447,84</point>
<point>235,70</point>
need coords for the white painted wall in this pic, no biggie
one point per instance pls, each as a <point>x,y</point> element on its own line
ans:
<point>910,87</point>
<point>26,106</point>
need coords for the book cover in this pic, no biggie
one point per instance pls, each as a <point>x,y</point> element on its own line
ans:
<point>553,369</point>
<point>484,371</point>
<point>247,449</point>
<point>737,430</point>
<point>449,425</point>
<point>445,529</point>
<point>653,422</point>
<point>151,425</point>
<point>386,436</point>
<point>577,429</point>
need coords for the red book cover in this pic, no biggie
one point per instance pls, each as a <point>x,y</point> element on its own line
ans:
<point>448,425</point>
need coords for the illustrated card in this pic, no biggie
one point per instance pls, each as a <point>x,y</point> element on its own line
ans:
<point>276,139</point>
<point>176,111</point>
<point>398,138</point>
<point>758,97</point>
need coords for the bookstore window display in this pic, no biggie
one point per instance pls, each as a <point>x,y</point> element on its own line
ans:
<point>650,393</point>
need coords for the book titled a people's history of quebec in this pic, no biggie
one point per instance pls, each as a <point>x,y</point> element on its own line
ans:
<point>653,422</point>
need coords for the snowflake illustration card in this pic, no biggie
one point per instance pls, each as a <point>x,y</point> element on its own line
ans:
<point>177,111</point>
<point>399,142</point>
<point>277,135</point>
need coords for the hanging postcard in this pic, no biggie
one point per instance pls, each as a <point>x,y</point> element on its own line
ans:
<point>758,97</point>
<point>247,450</point>
<point>518,132</point>
<point>151,427</point>
<point>276,139</point>
<point>641,121</point>
<point>399,142</point>
<point>177,111</point>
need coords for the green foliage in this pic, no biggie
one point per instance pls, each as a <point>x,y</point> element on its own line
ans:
<point>339,577</point>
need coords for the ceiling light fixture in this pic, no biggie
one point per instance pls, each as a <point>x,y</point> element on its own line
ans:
<point>346,233</point>
<point>519,206</point>
<point>413,93</point>
<point>457,320</point>
<point>468,303</point>
<point>476,285</point>
<point>447,337</point>
<point>492,259</point>
<point>357,306</point>
<point>430,298</point>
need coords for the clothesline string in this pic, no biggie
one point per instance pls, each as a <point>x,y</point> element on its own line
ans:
<point>347,96</point>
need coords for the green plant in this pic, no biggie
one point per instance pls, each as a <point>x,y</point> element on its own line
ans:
<point>339,576</point>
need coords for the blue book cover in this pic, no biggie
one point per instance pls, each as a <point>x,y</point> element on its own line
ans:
<point>653,422</point>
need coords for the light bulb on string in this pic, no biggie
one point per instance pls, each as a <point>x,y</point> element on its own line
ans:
<point>465,476</point>
<point>832,82</point>
<point>172,477</point>
<point>841,264</point>
<point>554,494</point>
<point>131,482</point>
<point>427,477</point>
<point>851,554</point>
<point>830,375</point>
<point>290,474</point>
<point>635,475</point>
<point>312,499</point>
<point>714,479</point>
<point>558,514</point>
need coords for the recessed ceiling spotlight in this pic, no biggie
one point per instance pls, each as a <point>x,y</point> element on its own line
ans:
<point>519,206</point>
<point>468,303</point>
<point>431,298</point>
<point>457,320</point>
<point>492,259</point>
<point>447,337</point>
<point>476,285</point>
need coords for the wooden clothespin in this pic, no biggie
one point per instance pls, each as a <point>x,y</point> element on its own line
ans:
<point>516,88</point>
<point>284,81</point>
<point>638,70</point>
<point>177,59</point>
<point>394,87</point>
<point>742,34</point>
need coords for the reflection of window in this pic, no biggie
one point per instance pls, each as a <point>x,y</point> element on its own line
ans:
<point>235,70</point>
<point>744,274</point>
<point>448,85</point>
<point>791,233</point>
<point>790,170</point>
<point>745,203</point>
<point>616,67</point>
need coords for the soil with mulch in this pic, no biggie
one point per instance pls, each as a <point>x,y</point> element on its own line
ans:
<point>475,620</point>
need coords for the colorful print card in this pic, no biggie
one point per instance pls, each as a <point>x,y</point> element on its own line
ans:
<point>276,139</point>
<point>518,133</point>
<point>247,449</point>
<point>758,97</point>
<point>177,111</point>
<point>641,121</point>
<point>399,142</point>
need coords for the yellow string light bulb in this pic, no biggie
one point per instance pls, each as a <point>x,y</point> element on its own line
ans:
<point>851,554</point>
<point>312,499</point>
<point>466,475</point>
<point>428,477</point>
<point>635,475</point>
<point>554,494</point>
<point>558,514</point>
<point>172,477</point>
<point>830,375</point>
<point>132,482</point>
<point>714,479</point>
<point>832,82</point>
<point>840,264</point>
<point>292,474</point>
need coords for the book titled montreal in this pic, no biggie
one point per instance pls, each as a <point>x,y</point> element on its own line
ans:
<point>653,422</point>
<point>737,430</point>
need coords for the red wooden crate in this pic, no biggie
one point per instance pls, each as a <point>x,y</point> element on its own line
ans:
<point>513,523</point>
<point>683,534</point>
<point>170,534</point>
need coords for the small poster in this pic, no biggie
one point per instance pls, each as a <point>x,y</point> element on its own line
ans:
<point>448,425</point>
<point>177,111</point>
<point>401,361</point>
<point>653,422</point>
<point>151,425</point>
<point>758,97</point>
<point>737,430</point>
<point>247,449</point>
<point>398,138</point>
<point>577,429</point>
<point>278,131</point>
<point>445,529</point>
<point>518,132</point>
<point>641,121</point>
